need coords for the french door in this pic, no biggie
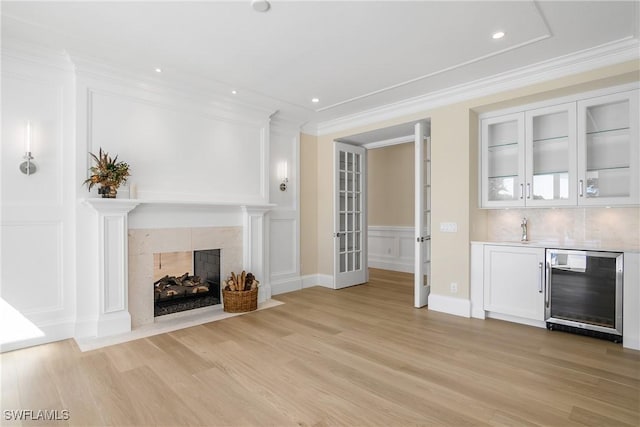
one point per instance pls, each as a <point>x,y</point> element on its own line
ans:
<point>422,214</point>
<point>350,221</point>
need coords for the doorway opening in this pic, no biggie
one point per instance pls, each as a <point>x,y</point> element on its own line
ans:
<point>398,207</point>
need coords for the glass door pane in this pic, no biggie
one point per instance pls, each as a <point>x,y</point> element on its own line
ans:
<point>608,150</point>
<point>551,156</point>
<point>350,206</point>
<point>502,153</point>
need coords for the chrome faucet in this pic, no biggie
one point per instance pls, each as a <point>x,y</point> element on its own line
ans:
<point>524,237</point>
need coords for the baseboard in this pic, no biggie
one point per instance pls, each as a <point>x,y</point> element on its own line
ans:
<point>404,267</point>
<point>323,280</point>
<point>286,285</point>
<point>516,319</point>
<point>50,333</point>
<point>456,306</point>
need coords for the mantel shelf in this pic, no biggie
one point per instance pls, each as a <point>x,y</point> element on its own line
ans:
<point>130,204</point>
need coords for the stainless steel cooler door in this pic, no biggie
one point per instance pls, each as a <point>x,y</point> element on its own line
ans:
<point>584,289</point>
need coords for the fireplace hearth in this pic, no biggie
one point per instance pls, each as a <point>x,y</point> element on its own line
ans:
<point>173,294</point>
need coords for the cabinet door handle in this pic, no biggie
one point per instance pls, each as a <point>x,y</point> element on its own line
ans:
<point>522,191</point>
<point>581,188</point>
<point>540,266</point>
<point>528,190</point>
<point>547,285</point>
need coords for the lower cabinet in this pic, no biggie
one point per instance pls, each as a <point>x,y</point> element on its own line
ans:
<point>514,281</point>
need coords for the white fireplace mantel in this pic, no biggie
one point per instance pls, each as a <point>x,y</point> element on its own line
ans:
<point>113,315</point>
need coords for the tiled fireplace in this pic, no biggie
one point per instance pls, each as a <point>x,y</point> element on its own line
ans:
<point>118,295</point>
<point>144,243</point>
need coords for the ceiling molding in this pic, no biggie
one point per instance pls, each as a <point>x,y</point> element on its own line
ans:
<point>36,54</point>
<point>390,142</point>
<point>195,90</point>
<point>600,56</point>
<point>438,72</point>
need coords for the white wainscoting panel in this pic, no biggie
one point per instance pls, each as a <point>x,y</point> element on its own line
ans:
<point>283,245</point>
<point>177,154</point>
<point>391,248</point>
<point>41,102</point>
<point>32,267</point>
<point>37,300</point>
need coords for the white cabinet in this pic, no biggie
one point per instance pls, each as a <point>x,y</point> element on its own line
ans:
<point>608,150</point>
<point>514,281</point>
<point>503,161</point>
<point>529,158</point>
<point>584,152</point>
<point>550,153</point>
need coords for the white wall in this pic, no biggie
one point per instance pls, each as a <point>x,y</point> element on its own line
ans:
<point>180,146</point>
<point>284,219</point>
<point>37,259</point>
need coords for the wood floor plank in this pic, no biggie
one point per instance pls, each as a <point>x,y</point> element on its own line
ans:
<point>357,356</point>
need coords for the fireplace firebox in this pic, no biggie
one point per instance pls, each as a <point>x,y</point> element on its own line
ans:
<point>186,280</point>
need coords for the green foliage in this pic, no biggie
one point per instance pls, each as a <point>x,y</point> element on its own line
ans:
<point>107,171</point>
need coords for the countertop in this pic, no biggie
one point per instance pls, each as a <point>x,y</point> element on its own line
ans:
<point>567,244</point>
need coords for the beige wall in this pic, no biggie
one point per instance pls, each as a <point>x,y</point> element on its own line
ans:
<point>454,174</point>
<point>390,185</point>
<point>308,204</point>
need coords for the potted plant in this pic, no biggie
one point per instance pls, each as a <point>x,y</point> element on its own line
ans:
<point>108,173</point>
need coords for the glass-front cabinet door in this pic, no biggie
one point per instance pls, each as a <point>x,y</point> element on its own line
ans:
<point>551,155</point>
<point>503,161</point>
<point>608,150</point>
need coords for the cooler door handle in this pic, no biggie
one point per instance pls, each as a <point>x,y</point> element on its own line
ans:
<point>547,285</point>
<point>540,267</point>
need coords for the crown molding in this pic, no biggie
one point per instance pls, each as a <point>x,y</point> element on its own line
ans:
<point>589,59</point>
<point>390,142</point>
<point>190,89</point>
<point>36,54</point>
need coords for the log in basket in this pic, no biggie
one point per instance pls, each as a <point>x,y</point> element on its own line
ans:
<point>240,293</point>
<point>240,301</point>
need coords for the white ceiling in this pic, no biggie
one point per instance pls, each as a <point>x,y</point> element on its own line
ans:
<point>353,56</point>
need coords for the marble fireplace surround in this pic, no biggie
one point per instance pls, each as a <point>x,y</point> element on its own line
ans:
<point>143,243</point>
<point>125,292</point>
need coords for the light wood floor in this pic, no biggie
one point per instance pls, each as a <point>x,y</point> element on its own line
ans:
<point>358,356</point>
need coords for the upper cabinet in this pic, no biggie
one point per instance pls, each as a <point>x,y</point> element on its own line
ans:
<point>503,160</point>
<point>550,145</point>
<point>608,150</point>
<point>583,152</point>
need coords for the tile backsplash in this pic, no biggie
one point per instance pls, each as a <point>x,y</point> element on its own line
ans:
<point>607,227</point>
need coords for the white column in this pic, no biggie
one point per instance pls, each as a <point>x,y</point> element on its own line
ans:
<point>113,306</point>
<point>255,246</point>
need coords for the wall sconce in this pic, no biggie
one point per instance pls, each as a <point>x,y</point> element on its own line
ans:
<point>283,175</point>
<point>27,167</point>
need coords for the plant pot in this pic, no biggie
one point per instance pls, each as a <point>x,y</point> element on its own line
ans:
<point>108,191</point>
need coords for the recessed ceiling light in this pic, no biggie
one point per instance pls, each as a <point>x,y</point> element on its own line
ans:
<point>234,92</point>
<point>498,35</point>
<point>158,70</point>
<point>260,5</point>
<point>315,100</point>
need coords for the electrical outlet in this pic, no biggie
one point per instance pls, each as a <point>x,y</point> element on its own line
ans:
<point>448,227</point>
<point>453,287</point>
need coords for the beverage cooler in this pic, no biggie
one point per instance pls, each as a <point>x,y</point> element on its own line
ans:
<point>584,292</point>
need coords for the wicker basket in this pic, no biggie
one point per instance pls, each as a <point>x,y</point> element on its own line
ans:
<point>240,301</point>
